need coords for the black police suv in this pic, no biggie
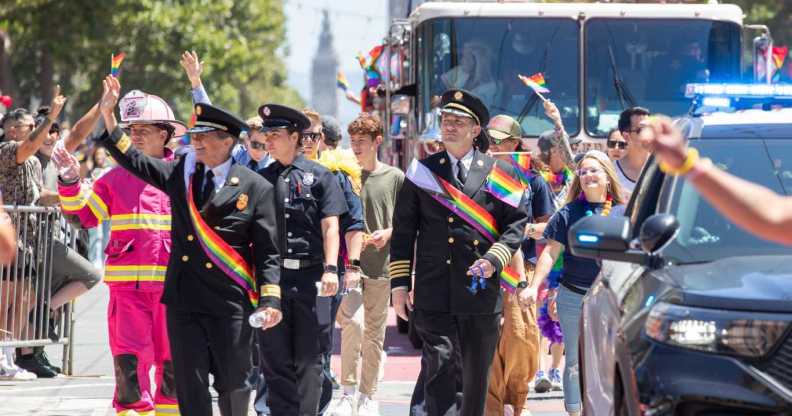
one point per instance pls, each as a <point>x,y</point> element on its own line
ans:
<point>691,314</point>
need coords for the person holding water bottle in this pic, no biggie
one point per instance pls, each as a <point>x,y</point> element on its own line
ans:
<point>309,201</point>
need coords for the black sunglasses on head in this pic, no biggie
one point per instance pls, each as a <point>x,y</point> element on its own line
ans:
<point>617,145</point>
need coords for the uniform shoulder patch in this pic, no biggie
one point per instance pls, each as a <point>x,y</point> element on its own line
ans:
<point>123,143</point>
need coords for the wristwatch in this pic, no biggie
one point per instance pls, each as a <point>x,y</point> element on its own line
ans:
<point>354,262</point>
<point>330,268</point>
<point>522,284</point>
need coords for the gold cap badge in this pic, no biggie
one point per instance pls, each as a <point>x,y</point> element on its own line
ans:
<point>458,95</point>
<point>242,202</point>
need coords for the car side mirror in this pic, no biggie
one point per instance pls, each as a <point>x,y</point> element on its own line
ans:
<point>603,238</point>
<point>657,231</point>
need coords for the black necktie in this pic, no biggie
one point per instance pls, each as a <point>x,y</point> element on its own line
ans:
<point>208,187</point>
<point>253,165</point>
<point>461,172</point>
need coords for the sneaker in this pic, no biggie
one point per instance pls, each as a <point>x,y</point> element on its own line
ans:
<point>10,371</point>
<point>542,383</point>
<point>345,406</point>
<point>368,407</point>
<point>555,379</point>
<point>34,364</point>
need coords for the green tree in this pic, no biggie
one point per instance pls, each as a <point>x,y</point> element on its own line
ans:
<point>70,42</point>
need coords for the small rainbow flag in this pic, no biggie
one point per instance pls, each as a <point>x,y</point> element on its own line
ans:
<point>509,279</point>
<point>536,82</point>
<point>341,81</point>
<point>522,162</point>
<point>115,63</point>
<point>779,55</point>
<point>504,187</point>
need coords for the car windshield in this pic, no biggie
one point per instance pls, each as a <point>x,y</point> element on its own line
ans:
<point>648,62</point>
<point>485,56</point>
<point>705,235</point>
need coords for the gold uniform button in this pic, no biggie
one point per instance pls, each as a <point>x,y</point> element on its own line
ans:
<point>217,227</point>
<point>185,258</point>
<point>190,237</point>
<point>450,240</point>
<point>475,242</point>
<point>208,265</point>
<point>448,261</point>
<point>450,219</point>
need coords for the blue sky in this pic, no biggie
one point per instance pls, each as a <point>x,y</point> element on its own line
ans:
<point>357,25</point>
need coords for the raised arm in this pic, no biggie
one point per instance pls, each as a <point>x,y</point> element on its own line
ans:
<point>193,67</point>
<point>82,128</point>
<point>551,111</point>
<point>752,207</point>
<point>30,146</point>
<point>151,170</point>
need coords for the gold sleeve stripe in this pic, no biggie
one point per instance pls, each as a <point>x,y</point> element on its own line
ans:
<point>501,252</point>
<point>400,262</point>
<point>271,290</point>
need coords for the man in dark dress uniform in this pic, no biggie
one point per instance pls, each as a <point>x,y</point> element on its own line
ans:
<point>447,314</point>
<point>224,260</point>
<point>309,202</point>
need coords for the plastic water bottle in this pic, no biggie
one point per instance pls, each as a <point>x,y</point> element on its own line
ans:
<point>257,319</point>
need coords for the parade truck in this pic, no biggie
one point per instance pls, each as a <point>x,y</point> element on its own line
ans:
<point>596,60</point>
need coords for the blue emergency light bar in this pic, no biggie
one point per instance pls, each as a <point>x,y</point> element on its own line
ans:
<point>737,96</point>
<point>739,90</point>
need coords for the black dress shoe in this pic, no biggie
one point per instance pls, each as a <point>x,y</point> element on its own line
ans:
<point>42,357</point>
<point>32,363</point>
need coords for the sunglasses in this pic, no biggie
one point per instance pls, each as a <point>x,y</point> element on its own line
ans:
<point>593,171</point>
<point>497,142</point>
<point>257,145</point>
<point>312,137</point>
<point>617,145</point>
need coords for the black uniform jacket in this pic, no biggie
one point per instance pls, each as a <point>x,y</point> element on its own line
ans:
<point>192,281</point>
<point>441,246</point>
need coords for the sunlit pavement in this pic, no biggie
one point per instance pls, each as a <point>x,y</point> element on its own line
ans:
<point>90,391</point>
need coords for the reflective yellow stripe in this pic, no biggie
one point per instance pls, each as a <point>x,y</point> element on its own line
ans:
<point>98,207</point>
<point>72,203</point>
<point>133,412</point>
<point>167,409</point>
<point>133,273</point>
<point>141,222</point>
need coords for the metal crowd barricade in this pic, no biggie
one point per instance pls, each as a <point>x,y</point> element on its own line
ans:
<point>26,284</point>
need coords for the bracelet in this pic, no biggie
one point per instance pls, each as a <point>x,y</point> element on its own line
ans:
<point>690,161</point>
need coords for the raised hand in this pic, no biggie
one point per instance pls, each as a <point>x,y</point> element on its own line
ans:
<point>68,165</point>
<point>552,112</point>
<point>58,101</point>
<point>193,67</point>
<point>111,91</point>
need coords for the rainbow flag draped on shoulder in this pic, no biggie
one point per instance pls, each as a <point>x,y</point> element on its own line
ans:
<point>504,187</point>
<point>221,253</point>
<point>463,206</point>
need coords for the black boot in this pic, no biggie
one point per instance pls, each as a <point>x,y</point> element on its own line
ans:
<point>34,364</point>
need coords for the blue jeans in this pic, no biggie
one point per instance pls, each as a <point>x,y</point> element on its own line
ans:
<point>570,305</point>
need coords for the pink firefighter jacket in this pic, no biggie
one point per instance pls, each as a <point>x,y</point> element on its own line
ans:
<point>140,225</point>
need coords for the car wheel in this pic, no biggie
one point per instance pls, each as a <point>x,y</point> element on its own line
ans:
<point>402,325</point>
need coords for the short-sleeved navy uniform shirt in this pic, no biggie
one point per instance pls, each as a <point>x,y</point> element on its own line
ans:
<point>307,193</point>
<point>578,271</point>
<point>541,205</point>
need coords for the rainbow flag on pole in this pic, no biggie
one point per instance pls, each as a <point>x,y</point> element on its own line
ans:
<point>536,82</point>
<point>341,81</point>
<point>504,187</point>
<point>522,162</point>
<point>115,64</point>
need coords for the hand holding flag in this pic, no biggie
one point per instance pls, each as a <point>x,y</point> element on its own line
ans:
<point>536,82</point>
<point>115,64</point>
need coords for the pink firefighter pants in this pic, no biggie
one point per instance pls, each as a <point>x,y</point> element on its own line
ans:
<point>138,341</point>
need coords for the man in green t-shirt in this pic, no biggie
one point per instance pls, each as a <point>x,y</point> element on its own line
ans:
<point>364,311</point>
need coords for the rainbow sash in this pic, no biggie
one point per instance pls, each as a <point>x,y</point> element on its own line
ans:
<point>221,254</point>
<point>465,207</point>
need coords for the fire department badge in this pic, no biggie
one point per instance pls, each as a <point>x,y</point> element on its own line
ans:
<point>266,111</point>
<point>242,202</point>
<point>458,95</point>
<point>308,179</point>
